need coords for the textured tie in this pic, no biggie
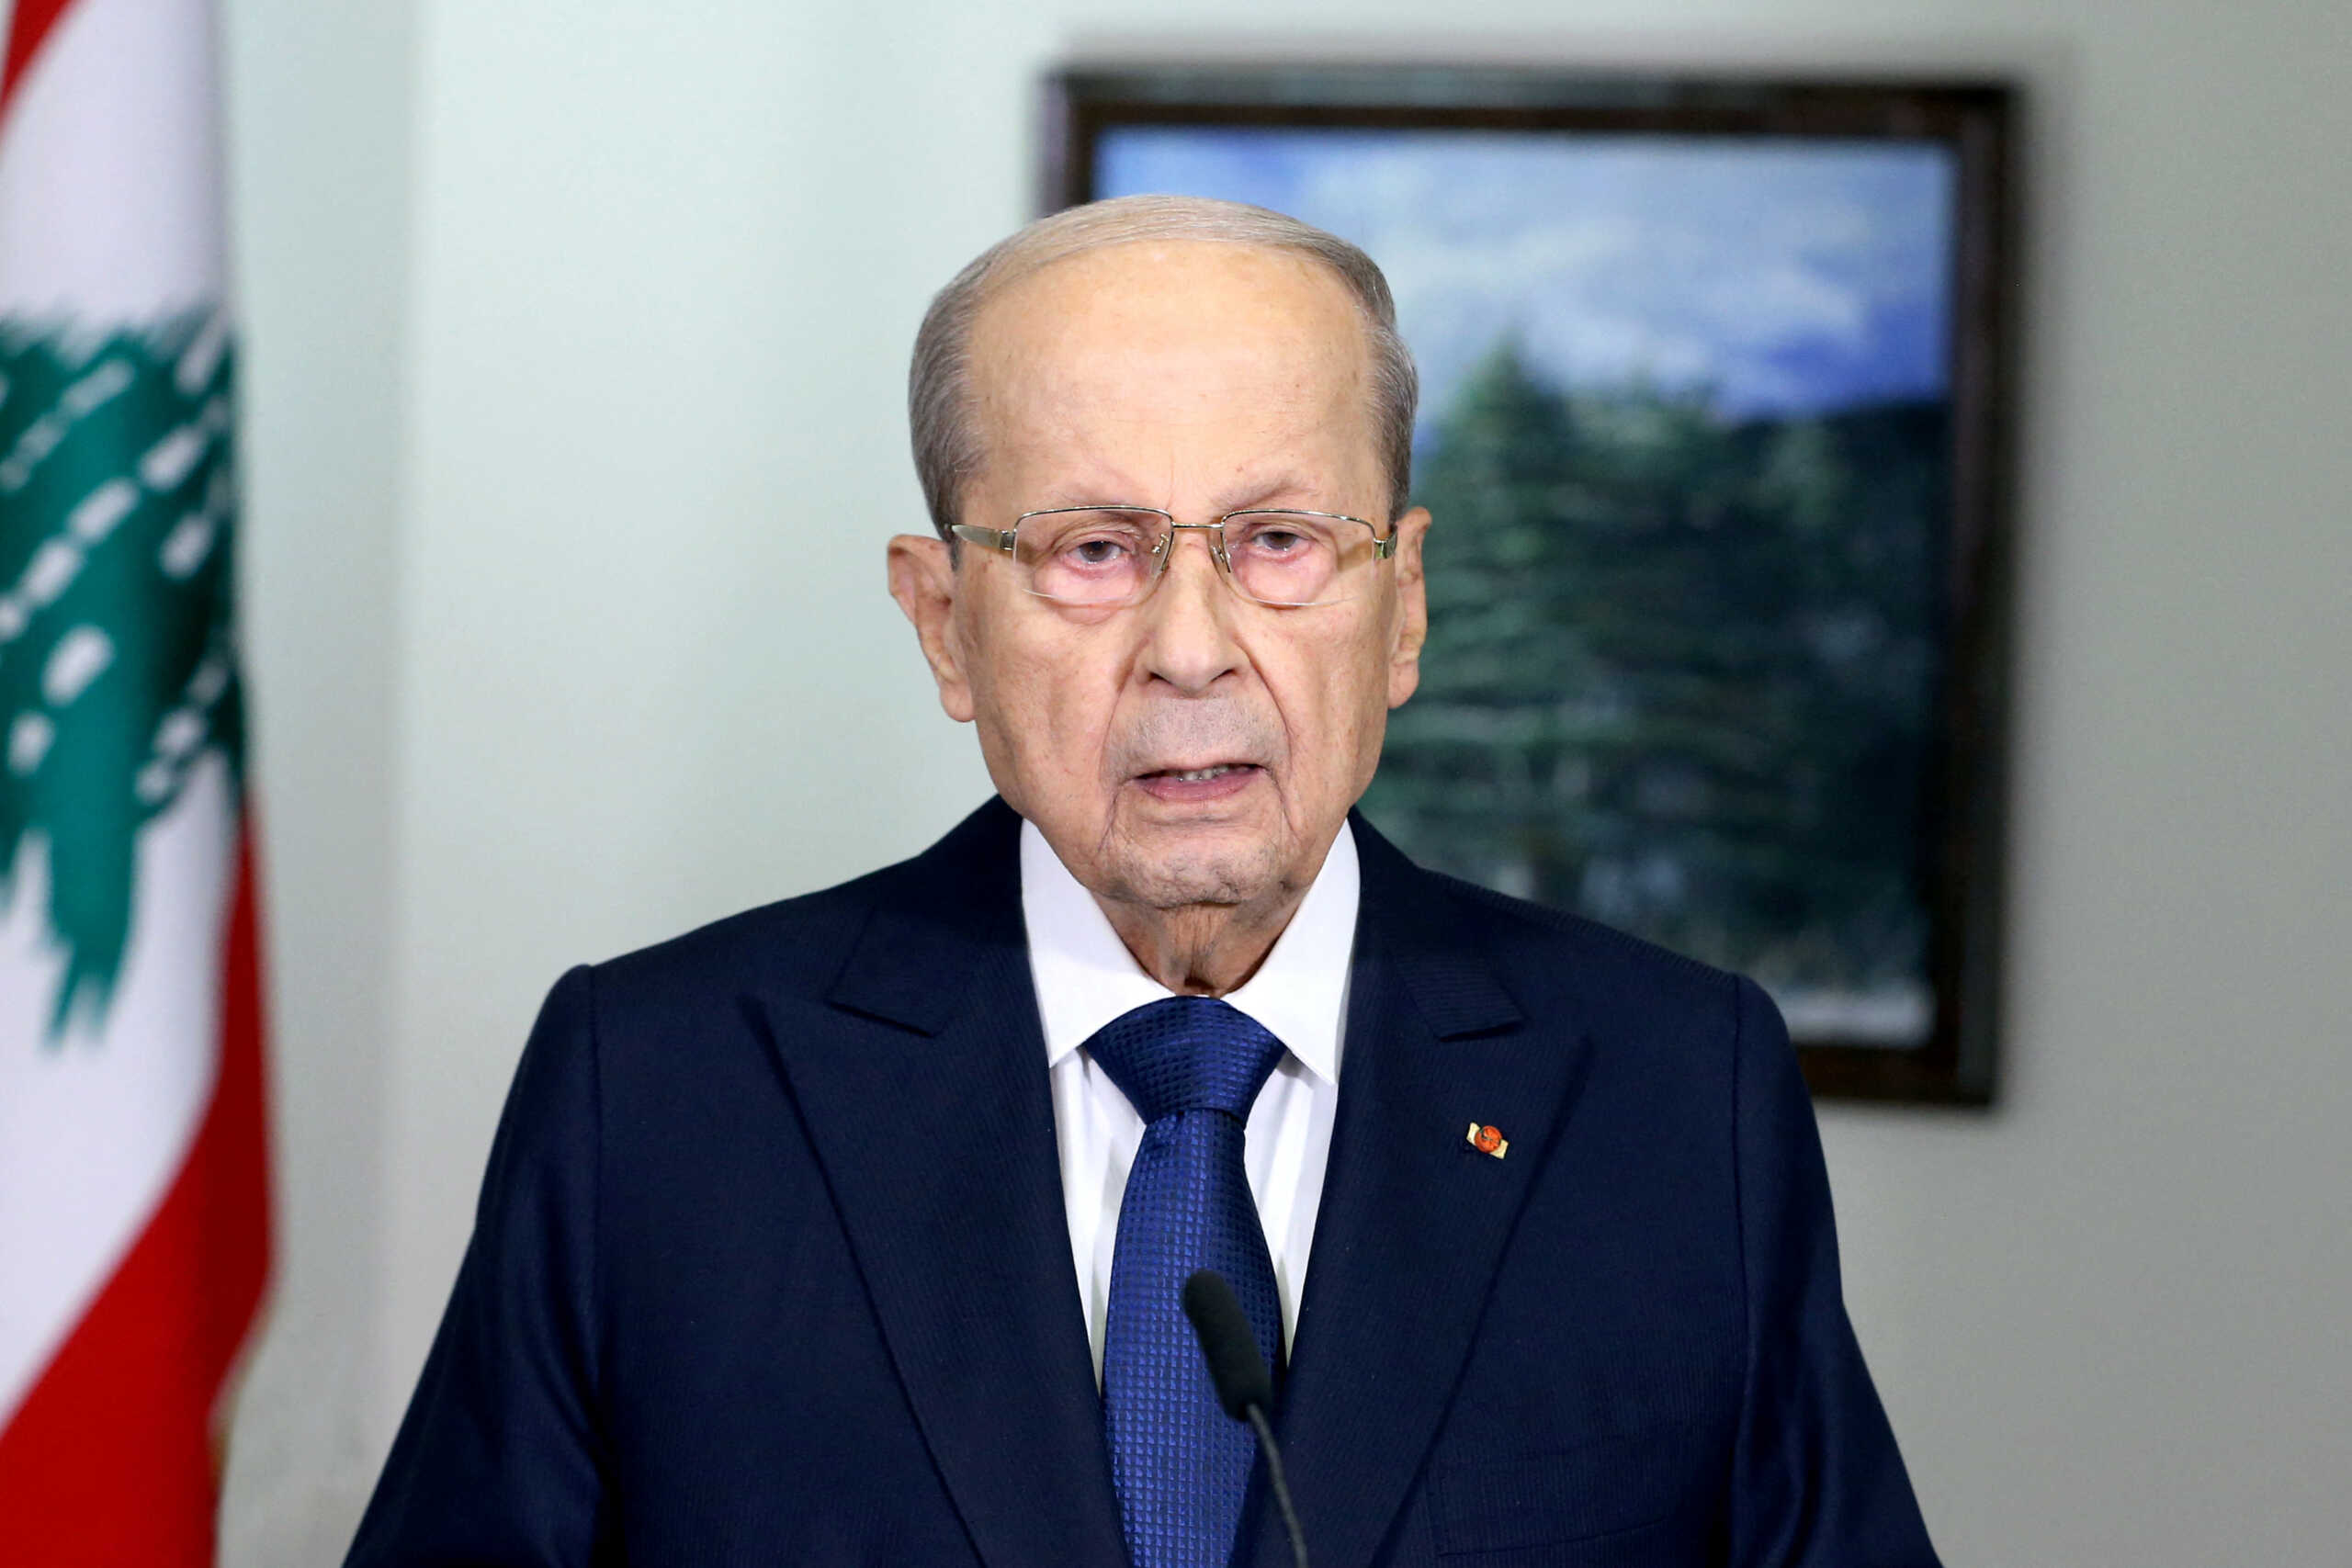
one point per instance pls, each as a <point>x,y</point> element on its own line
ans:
<point>1191,1067</point>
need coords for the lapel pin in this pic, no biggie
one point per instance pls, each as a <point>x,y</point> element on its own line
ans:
<point>1489,1140</point>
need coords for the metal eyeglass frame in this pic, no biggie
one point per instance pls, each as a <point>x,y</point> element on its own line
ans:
<point>1005,540</point>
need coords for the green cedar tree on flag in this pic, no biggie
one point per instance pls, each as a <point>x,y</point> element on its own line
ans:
<point>134,1235</point>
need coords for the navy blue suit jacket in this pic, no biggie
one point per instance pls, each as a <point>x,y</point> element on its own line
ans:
<point>770,1264</point>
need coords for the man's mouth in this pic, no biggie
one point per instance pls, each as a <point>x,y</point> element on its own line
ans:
<point>1198,775</point>
<point>1215,782</point>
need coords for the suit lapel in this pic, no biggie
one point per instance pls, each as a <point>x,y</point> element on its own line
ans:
<point>922,1083</point>
<point>1414,1220</point>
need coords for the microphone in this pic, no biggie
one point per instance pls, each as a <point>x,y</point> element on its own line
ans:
<point>1244,1387</point>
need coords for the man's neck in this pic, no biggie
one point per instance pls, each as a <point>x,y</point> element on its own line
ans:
<point>1203,950</point>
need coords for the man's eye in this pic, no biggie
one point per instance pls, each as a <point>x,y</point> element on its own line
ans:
<point>1097,552</point>
<point>1274,542</point>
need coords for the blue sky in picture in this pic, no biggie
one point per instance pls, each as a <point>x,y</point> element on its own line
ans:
<point>1774,276</point>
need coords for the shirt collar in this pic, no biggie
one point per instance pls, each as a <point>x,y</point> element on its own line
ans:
<point>1085,975</point>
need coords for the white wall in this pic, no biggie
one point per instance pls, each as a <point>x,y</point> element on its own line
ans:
<point>321,103</point>
<point>577,337</point>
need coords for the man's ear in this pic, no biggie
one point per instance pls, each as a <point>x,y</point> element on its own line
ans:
<point>923,580</point>
<point>1412,608</point>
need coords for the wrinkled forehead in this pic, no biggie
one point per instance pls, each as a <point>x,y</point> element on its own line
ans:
<point>1117,352</point>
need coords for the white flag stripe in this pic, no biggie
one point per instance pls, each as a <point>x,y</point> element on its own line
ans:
<point>93,1131</point>
<point>109,169</point>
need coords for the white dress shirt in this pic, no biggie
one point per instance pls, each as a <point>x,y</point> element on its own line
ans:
<point>1086,978</point>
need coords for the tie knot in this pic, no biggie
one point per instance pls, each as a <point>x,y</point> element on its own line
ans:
<point>1186,1053</point>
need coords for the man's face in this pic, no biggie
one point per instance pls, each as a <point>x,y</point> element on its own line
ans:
<point>1195,748</point>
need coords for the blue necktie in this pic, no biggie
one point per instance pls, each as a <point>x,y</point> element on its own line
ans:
<point>1191,1066</point>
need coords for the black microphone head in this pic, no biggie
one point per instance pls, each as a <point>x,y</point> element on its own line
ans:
<point>1223,1328</point>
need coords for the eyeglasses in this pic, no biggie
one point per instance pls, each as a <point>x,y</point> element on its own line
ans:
<point>1108,556</point>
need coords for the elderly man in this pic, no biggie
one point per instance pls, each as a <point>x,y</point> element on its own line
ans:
<point>852,1230</point>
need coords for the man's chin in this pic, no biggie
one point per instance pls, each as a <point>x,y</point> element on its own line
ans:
<point>1176,865</point>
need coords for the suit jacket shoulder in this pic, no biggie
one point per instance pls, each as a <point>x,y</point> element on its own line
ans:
<point>900,943</point>
<point>1570,979</point>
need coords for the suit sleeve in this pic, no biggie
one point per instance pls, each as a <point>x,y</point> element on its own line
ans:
<point>500,1462</point>
<point>1817,1481</point>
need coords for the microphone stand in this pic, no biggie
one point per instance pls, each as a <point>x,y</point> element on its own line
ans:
<point>1244,1386</point>
<point>1280,1486</point>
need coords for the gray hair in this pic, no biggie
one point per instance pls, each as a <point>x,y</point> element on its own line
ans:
<point>939,400</point>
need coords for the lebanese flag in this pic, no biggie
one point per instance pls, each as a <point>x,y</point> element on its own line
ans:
<point>134,1228</point>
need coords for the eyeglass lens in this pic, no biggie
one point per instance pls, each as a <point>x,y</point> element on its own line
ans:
<point>1109,557</point>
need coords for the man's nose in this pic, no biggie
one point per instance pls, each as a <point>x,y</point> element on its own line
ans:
<point>1190,643</point>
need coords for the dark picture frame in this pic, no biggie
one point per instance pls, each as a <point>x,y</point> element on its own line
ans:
<point>1923,901</point>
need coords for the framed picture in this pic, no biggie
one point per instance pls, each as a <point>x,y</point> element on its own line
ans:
<point>1714,430</point>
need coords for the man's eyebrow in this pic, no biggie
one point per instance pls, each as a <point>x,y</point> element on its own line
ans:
<point>1276,490</point>
<point>1088,495</point>
<point>1091,486</point>
<point>1256,492</point>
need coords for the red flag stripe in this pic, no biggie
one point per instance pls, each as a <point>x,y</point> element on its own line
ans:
<point>110,1461</point>
<point>31,24</point>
